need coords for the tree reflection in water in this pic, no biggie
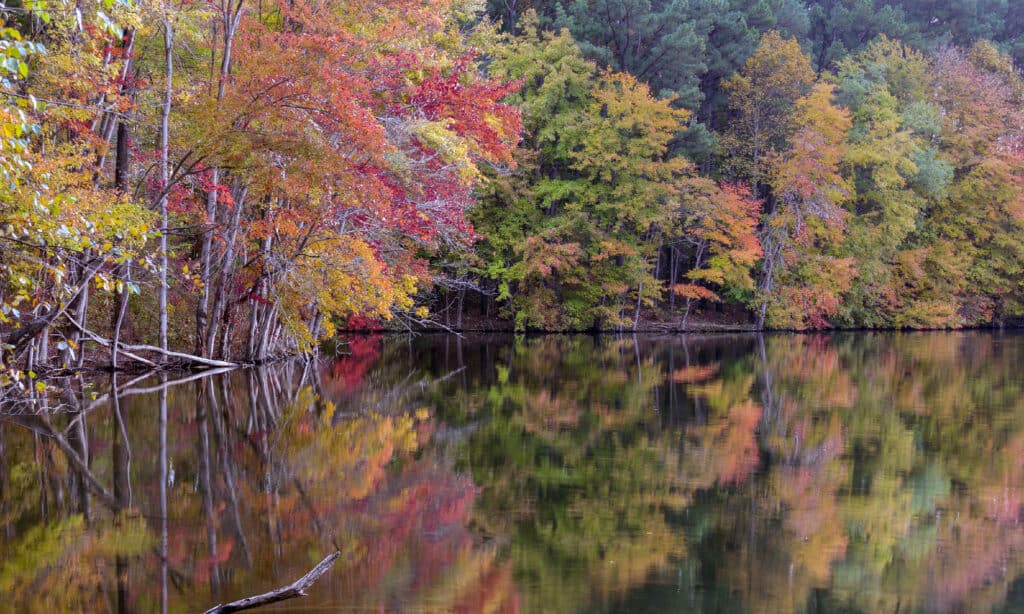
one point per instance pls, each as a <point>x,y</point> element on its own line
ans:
<point>860,472</point>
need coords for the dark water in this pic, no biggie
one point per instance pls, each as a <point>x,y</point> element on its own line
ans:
<point>845,473</point>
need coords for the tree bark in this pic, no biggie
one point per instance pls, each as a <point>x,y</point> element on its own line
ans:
<point>295,589</point>
<point>225,271</point>
<point>124,349</point>
<point>205,323</point>
<point>122,309</point>
<point>698,261</point>
<point>164,171</point>
<point>122,158</point>
<point>121,168</point>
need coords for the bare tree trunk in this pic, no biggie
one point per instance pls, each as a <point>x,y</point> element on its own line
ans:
<point>109,120</point>
<point>771,254</point>
<point>447,310</point>
<point>207,323</point>
<point>30,364</point>
<point>277,327</point>
<point>122,164</point>
<point>228,326</point>
<point>657,269</point>
<point>225,272</point>
<point>80,308</point>
<point>268,323</point>
<point>122,159</point>
<point>639,298</point>
<point>44,347</point>
<point>315,330</point>
<point>83,313</point>
<point>257,308</point>
<point>164,174</point>
<point>202,309</point>
<point>673,276</point>
<point>462,300</point>
<point>119,318</point>
<point>689,300</point>
<point>254,318</point>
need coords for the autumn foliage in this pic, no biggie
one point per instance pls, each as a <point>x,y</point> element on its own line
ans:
<point>231,182</point>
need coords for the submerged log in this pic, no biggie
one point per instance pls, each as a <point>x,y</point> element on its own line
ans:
<point>295,589</point>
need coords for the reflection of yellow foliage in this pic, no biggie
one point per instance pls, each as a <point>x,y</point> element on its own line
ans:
<point>477,582</point>
<point>723,393</point>
<point>344,458</point>
<point>69,558</point>
<point>628,563</point>
<point>825,382</point>
<point>809,496</point>
<point>690,375</point>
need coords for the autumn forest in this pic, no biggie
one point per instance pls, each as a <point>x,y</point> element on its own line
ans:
<point>230,181</point>
<point>665,268</point>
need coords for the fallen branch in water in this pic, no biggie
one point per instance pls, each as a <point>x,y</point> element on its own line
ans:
<point>295,589</point>
<point>106,343</point>
<point>125,349</point>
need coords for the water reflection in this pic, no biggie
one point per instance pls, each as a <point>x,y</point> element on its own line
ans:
<point>860,472</point>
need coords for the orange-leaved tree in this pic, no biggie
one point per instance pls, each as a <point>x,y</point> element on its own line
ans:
<point>347,139</point>
<point>803,277</point>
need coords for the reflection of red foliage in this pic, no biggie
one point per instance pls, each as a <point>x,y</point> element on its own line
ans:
<point>727,447</point>
<point>201,573</point>
<point>973,554</point>
<point>350,370</point>
<point>741,444</point>
<point>431,521</point>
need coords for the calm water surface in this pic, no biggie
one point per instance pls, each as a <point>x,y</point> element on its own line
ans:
<point>852,473</point>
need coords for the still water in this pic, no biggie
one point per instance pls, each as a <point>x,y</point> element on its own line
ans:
<point>853,473</point>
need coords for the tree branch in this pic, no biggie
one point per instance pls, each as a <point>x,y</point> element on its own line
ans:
<point>295,589</point>
<point>126,349</point>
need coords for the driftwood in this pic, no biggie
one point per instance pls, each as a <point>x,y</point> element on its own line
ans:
<point>180,355</point>
<point>295,589</point>
<point>125,348</point>
<point>105,343</point>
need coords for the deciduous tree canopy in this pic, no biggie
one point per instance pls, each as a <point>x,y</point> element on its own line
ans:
<point>229,182</point>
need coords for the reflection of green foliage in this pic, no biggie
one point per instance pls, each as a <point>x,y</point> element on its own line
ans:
<point>843,473</point>
<point>866,438</point>
<point>563,448</point>
<point>926,412</point>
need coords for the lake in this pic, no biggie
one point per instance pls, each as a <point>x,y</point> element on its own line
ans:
<point>853,472</point>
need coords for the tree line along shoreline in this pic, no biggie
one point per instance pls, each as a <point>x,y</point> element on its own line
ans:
<point>229,183</point>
